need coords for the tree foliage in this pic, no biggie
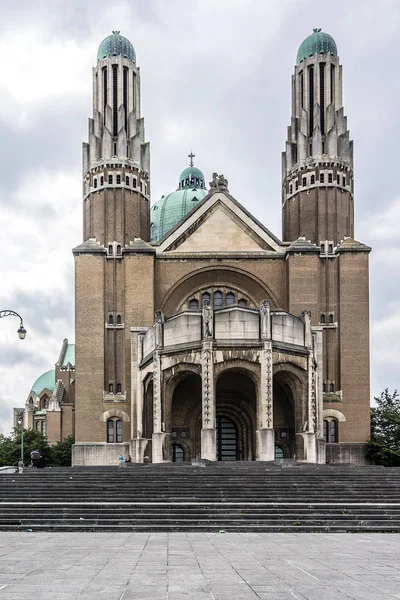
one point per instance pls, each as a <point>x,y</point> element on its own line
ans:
<point>10,449</point>
<point>384,446</point>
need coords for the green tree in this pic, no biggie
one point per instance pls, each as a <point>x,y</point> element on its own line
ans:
<point>10,447</point>
<point>61,452</point>
<point>384,446</point>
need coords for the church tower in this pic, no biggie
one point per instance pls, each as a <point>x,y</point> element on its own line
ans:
<point>116,221</point>
<point>317,177</point>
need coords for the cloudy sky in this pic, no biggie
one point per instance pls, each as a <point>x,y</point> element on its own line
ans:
<point>215,79</point>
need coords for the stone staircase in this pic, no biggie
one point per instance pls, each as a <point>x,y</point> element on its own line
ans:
<point>263,497</point>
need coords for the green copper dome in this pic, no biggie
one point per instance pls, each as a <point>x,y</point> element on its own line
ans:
<point>116,45</point>
<point>169,210</point>
<point>47,380</point>
<point>316,43</point>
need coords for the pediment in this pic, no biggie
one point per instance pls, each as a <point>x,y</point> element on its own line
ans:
<point>219,224</point>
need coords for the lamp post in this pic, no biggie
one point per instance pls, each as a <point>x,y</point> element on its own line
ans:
<point>20,422</point>
<point>11,313</point>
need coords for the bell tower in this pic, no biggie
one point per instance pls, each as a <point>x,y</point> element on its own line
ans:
<point>317,165</point>
<point>116,160</point>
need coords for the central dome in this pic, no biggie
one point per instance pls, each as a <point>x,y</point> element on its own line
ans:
<point>116,45</point>
<point>170,209</point>
<point>318,42</point>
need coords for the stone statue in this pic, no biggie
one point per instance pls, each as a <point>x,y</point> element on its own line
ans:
<point>219,183</point>
<point>208,318</point>
<point>265,320</point>
<point>159,320</point>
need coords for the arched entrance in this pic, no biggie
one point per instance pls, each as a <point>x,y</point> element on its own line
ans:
<point>184,415</point>
<point>287,410</point>
<point>236,402</point>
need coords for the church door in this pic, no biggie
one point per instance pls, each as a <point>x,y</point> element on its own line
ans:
<point>226,439</point>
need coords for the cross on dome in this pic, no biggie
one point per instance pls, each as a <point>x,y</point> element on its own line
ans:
<point>191,156</point>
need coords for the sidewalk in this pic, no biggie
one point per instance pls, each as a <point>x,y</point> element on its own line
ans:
<point>199,566</point>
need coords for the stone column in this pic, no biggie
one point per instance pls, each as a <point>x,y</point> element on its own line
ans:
<point>265,431</point>
<point>310,427</point>
<point>158,433</point>
<point>208,432</point>
<point>138,444</point>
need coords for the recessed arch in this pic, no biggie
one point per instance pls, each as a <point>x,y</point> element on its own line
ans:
<point>336,414</point>
<point>114,412</point>
<point>234,276</point>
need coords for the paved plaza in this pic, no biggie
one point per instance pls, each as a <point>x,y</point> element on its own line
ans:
<point>202,566</point>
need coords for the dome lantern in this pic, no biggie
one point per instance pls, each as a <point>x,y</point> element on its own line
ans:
<point>116,45</point>
<point>318,42</point>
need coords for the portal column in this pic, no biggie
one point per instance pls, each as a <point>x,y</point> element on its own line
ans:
<point>208,433</point>
<point>265,432</point>
<point>158,425</point>
<point>137,444</point>
<point>310,428</point>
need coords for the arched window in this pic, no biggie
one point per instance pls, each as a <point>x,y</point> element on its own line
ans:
<point>119,320</point>
<point>119,388</point>
<point>290,189</point>
<point>278,452</point>
<point>118,179</point>
<point>218,299</point>
<point>45,403</point>
<point>322,319</point>
<point>331,387</point>
<point>330,248</point>
<point>205,296</point>
<point>193,304</point>
<point>312,179</point>
<point>134,182</point>
<point>322,178</point>
<point>322,248</point>
<point>296,185</point>
<point>119,249</point>
<point>110,179</point>
<point>338,179</point>
<point>344,181</point>
<point>95,182</point>
<point>126,180</point>
<point>304,183</point>
<point>326,430</point>
<point>230,298</point>
<point>110,249</point>
<point>102,180</point>
<point>330,178</point>
<point>242,302</point>
<point>110,319</point>
<point>114,431</point>
<point>331,319</point>
<point>324,387</point>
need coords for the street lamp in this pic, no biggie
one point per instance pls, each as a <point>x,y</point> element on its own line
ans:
<point>20,422</point>
<point>11,313</point>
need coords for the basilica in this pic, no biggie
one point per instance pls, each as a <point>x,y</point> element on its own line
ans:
<point>199,333</point>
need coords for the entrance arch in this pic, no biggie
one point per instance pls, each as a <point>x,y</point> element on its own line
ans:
<point>236,409</point>
<point>182,417</point>
<point>288,409</point>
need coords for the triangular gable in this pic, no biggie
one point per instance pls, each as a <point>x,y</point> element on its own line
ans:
<point>219,224</point>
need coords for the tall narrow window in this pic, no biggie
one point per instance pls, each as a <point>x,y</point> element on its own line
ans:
<point>110,320</point>
<point>330,248</point>
<point>134,90</point>
<point>322,97</point>
<point>331,316</point>
<point>110,388</point>
<point>290,189</point>
<point>118,179</point>
<point>333,84</point>
<point>296,185</point>
<point>125,96</point>
<point>312,179</point>
<point>119,249</point>
<point>304,181</point>
<point>115,100</point>
<point>322,248</point>
<point>205,296</point>
<point>126,180</point>
<point>322,319</point>
<point>324,387</point>
<point>134,182</point>
<point>331,387</point>
<point>218,299</point>
<point>302,89</point>
<point>193,304</point>
<point>338,179</point>
<point>118,427</point>
<point>343,181</point>
<point>311,98</point>
<point>102,180</point>
<point>322,178</point>
<point>330,178</point>
<point>110,179</point>
<point>333,431</point>
<point>230,298</point>
<point>119,320</point>
<point>326,431</point>
<point>119,388</point>
<point>105,91</point>
<point>95,182</point>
